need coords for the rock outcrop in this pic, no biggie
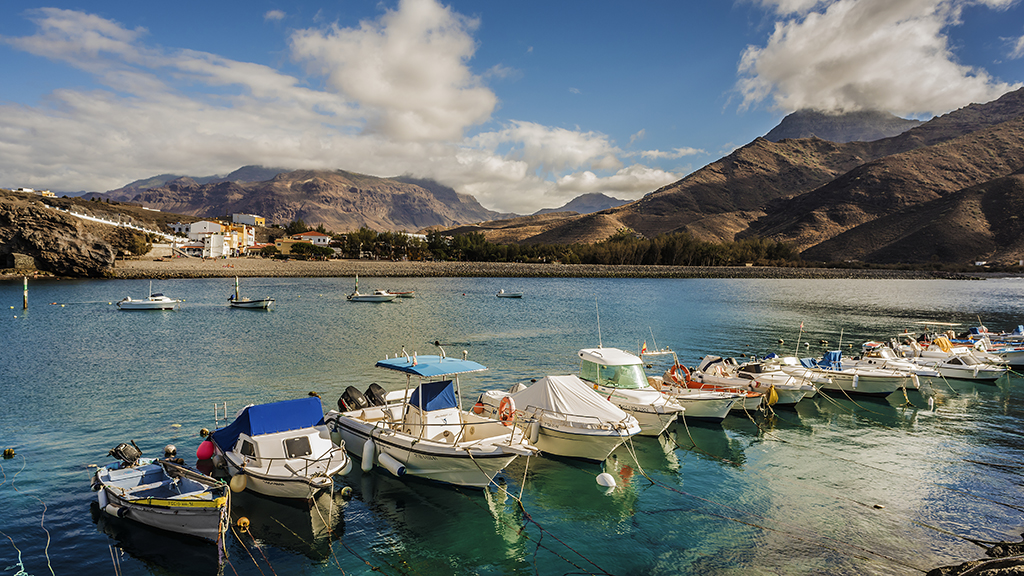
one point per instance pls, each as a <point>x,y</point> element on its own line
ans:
<point>60,244</point>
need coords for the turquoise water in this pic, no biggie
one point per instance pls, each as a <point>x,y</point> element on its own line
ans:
<point>834,487</point>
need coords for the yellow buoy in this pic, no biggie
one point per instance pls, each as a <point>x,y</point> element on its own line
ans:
<point>237,483</point>
<point>243,524</point>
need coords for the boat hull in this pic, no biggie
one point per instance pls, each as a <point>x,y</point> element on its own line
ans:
<point>595,447</point>
<point>867,385</point>
<point>253,304</point>
<point>146,305</point>
<point>286,484</point>
<point>203,515</point>
<point>703,408</point>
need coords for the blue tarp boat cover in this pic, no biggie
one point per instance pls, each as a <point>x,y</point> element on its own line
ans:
<point>270,418</point>
<point>435,395</point>
<point>430,366</point>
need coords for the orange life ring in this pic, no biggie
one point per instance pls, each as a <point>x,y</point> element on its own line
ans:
<point>674,374</point>
<point>506,410</point>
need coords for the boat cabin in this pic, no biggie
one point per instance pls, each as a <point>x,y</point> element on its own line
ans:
<point>612,368</point>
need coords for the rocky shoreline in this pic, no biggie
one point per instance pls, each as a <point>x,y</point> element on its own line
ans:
<point>263,267</point>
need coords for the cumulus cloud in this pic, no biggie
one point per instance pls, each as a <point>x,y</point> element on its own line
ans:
<point>408,70</point>
<point>157,110</point>
<point>274,15</point>
<point>669,154</point>
<point>864,54</point>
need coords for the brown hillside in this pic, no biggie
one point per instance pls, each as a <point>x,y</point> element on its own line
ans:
<point>893,183</point>
<point>341,201</point>
<point>514,230</point>
<point>983,222</point>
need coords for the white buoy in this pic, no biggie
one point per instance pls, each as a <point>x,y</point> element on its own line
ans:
<point>931,403</point>
<point>238,483</point>
<point>605,479</point>
<point>534,432</point>
<point>368,453</point>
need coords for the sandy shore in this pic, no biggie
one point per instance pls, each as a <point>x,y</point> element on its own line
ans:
<point>261,267</point>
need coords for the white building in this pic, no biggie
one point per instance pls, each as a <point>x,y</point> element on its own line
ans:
<point>313,237</point>
<point>250,219</point>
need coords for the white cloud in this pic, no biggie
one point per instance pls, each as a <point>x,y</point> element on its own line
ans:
<point>408,70</point>
<point>865,54</point>
<point>159,110</point>
<point>575,91</point>
<point>669,155</point>
<point>274,15</point>
<point>1018,48</point>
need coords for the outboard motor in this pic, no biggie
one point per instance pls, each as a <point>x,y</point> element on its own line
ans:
<point>352,399</point>
<point>128,454</point>
<point>375,395</point>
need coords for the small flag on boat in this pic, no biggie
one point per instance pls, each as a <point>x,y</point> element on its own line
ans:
<point>644,349</point>
<point>801,325</point>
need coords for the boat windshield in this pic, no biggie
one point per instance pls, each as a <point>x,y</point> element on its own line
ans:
<point>630,376</point>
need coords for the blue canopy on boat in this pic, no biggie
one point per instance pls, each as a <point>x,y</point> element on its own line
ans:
<point>832,360</point>
<point>430,366</point>
<point>435,395</point>
<point>270,418</point>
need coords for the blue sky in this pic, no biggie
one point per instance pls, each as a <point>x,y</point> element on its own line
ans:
<point>524,105</point>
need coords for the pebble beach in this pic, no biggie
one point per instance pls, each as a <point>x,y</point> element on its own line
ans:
<point>264,267</point>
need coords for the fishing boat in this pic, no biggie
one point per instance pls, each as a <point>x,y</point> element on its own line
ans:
<point>376,296</point>
<point>968,367</point>
<point>162,494</point>
<point>502,294</point>
<point>281,449</point>
<point>155,301</point>
<point>777,387</point>
<point>237,301</point>
<point>619,376</point>
<point>422,430</point>
<point>563,415</point>
<point>855,380</point>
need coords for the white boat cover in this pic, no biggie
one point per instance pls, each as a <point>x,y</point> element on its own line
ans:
<point>567,395</point>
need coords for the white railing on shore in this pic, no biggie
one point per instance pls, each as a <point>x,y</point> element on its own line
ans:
<point>164,235</point>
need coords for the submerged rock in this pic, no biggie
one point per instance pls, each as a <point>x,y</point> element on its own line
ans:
<point>1007,560</point>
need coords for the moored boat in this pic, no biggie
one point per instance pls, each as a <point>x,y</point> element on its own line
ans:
<point>423,431</point>
<point>282,449</point>
<point>863,381</point>
<point>162,494</point>
<point>155,301</point>
<point>238,301</point>
<point>564,416</point>
<point>620,377</point>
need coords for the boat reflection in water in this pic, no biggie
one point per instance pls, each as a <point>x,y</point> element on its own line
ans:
<point>160,551</point>
<point>425,517</point>
<point>709,441</point>
<point>290,525</point>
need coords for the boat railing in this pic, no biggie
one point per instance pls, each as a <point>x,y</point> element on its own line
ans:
<point>266,463</point>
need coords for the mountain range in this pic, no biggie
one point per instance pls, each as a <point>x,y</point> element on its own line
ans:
<point>859,186</point>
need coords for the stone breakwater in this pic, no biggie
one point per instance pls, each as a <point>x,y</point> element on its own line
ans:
<point>261,267</point>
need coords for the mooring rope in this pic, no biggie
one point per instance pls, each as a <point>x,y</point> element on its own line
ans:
<point>42,516</point>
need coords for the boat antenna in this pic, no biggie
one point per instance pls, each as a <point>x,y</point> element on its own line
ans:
<point>796,351</point>
<point>840,338</point>
<point>653,341</point>
<point>599,344</point>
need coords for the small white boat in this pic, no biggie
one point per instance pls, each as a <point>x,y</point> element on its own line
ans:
<point>863,381</point>
<point>502,294</point>
<point>619,376</point>
<point>282,449</point>
<point>376,296</point>
<point>563,415</point>
<point>155,301</point>
<point>162,494</point>
<point>423,431</point>
<point>967,367</point>
<point>777,387</point>
<point>237,301</point>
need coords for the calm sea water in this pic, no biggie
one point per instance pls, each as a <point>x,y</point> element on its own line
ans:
<point>834,487</point>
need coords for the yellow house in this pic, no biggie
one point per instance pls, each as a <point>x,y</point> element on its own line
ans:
<point>284,245</point>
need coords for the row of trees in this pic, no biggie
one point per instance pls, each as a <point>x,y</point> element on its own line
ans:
<point>624,248</point>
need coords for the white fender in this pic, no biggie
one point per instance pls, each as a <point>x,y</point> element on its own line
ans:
<point>393,465</point>
<point>368,452</point>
